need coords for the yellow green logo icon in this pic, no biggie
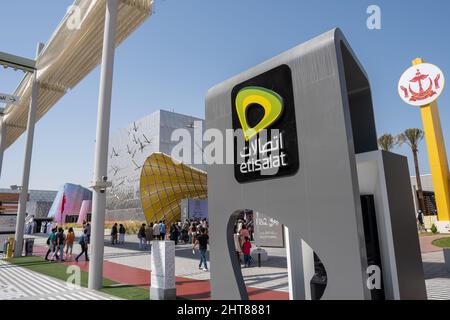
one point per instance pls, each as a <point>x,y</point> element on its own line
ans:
<point>271,101</point>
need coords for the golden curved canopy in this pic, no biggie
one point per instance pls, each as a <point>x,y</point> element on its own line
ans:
<point>164,183</point>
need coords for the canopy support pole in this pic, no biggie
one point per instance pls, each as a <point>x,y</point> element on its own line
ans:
<point>23,197</point>
<point>101,148</point>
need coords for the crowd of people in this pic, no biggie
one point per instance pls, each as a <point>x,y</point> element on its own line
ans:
<point>191,231</point>
<point>180,232</point>
<point>60,244</point>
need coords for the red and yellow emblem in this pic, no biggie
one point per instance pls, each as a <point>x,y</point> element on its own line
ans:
<point>421,84</point>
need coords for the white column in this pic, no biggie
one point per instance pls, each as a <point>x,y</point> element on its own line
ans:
<point>162,264</point>
<point>23,197</point>
<point>300,263</point>
<point>2,142</point>
<point>101,148</point>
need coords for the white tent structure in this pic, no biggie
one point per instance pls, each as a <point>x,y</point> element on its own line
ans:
<point>87,35</point>
<point>72,52</point>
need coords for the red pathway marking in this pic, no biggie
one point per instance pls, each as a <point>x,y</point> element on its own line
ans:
<point>186,287</point>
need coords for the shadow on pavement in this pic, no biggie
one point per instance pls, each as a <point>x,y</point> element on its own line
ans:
<point>435,270</point>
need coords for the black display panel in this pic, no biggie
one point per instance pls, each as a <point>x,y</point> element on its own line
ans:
<point>264,109</point>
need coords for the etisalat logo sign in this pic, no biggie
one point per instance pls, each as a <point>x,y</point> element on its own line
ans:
<point>263,111</point>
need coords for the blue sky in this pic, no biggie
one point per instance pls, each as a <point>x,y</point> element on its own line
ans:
<point>190,45</point>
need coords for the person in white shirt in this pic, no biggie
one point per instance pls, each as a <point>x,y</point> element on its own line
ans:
<point>156,232</point>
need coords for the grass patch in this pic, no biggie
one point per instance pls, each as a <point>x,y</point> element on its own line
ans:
<point>58,271</point>
<point>442,243</point>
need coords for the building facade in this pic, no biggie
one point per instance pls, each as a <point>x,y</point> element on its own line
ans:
<point>428,192</point>
<point>70,204</point>
<point>38,205</point>
<point>130,147</point>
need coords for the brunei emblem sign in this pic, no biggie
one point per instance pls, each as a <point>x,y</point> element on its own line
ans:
<point>421,84</point>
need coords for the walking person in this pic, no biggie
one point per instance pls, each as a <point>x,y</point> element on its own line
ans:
<point>162,230</point>
<point>190,236</point>
<point>122,232</point>
<point>250,228</point>
<point>237,245</point>
<point>185,232</point>
<point>141,237</point>
<point>51,242</point>
<point>60,243</point>
<point>193,232</point>
<point>202,241</point>
<point>243,233</point>
<point>156,232</point>
<point>174,233</point>
<point>180,228</point>
<point>70,239</point>
<point>246,249</point>
<point>84,242</point>
<point>114,232</point>
<point>88,231</point>
<point>54,241</point>
<point>149,233</point>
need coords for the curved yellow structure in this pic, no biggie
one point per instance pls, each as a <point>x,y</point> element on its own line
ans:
<point>164,183</point>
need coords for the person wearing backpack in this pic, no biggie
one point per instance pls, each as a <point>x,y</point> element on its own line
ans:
<point>60,242</point>
<point>51,242</point>
<point>84,241</point>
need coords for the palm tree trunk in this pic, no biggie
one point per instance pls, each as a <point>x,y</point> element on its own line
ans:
<point>419,183</point>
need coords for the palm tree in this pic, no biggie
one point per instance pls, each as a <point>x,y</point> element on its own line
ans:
<point>412,138</point>
<point>386,142</point>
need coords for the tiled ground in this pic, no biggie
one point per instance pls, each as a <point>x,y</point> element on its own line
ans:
<point>17,283</point>
<point>272,276</point>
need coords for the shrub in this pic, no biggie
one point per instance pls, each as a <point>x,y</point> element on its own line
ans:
<point>132,227</point>
<point>434,229</point>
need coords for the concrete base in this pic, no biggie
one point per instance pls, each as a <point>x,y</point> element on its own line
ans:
<point>162,266</point>
<point>163,294</point>
<point>443,226</point>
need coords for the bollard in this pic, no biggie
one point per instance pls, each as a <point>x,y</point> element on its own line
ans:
<point>259,259</point>
<point>9,252</point>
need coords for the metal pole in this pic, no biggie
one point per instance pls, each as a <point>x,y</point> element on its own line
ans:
<point>23,198</point>
<point>101,148</point>
<point>2,142</point>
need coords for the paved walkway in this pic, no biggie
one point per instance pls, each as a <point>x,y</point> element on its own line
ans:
<point>271,277</point>
<point>437,277</point>
<point>426,243</point>
<point>187,287</point>
<point>18,283</point>
<point>126,264</point>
